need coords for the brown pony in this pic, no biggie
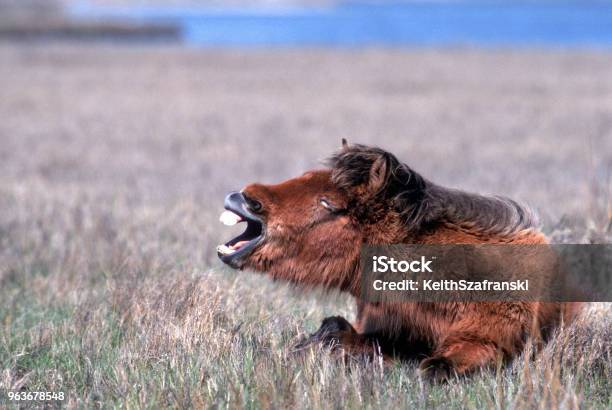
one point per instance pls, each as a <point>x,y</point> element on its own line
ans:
<point>309,231</point>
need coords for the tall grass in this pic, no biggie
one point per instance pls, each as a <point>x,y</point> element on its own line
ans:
<point>106,305</point>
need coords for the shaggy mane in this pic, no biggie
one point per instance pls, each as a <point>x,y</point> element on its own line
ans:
<point>421,203</point>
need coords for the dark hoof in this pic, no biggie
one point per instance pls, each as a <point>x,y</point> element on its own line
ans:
<point>329,334</point>
<point>436,369</point>
<point>335,324</point>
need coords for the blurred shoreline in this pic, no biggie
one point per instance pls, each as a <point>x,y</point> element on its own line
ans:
<point>58,29</point>
<point>63,29</point>
<point>44,20</point>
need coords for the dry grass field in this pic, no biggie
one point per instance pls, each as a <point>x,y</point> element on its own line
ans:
<point>113,167</point>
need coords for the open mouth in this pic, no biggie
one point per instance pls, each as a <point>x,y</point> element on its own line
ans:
<point>237,211</point>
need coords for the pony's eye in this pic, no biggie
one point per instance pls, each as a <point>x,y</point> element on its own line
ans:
<point>327,205</point>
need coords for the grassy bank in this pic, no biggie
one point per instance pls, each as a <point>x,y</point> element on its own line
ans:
<point>114,163</point>
<point>120,320</point>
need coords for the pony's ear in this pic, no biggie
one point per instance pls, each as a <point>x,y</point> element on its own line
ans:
<point>378,175</point>
<point>361,169</point>
<point>345,145</point>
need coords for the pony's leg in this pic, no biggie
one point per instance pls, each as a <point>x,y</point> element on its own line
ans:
<point>460,353</point>
<point>339,335</point>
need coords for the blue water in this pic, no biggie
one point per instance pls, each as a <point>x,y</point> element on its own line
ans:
<point>353,24</point>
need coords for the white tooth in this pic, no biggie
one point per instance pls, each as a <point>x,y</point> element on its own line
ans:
<point>225,250</point>
<point>229,218</point>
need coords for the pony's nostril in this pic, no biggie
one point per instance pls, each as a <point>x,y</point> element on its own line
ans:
<point>254,205</point>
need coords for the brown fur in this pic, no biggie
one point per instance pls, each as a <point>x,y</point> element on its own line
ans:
<point>379,200</point>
